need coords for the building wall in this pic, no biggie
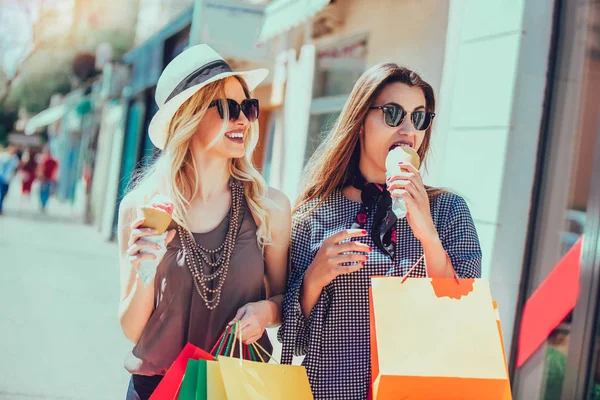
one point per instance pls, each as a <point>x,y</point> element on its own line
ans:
<point>111,121</point>
<point>156,14</point>
<point>97,21</point>
<point>487,135</point>
<point>411,33</point>
<point>487,62</point>
<point>407,32</point>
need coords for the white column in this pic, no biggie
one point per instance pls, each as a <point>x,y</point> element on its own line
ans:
<point>487,134</point>
<point>296,114</point>
<point>196,28</point>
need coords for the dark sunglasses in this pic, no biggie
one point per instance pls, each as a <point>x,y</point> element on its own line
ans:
<point>249,107</point>
<point>394,115</point>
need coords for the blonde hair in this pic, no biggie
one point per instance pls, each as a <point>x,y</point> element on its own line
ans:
<point>174,171</point>
<point>336,159</point>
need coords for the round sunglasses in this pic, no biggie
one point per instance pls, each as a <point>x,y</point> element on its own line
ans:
<point>394,114</point>
<point>249,107</point>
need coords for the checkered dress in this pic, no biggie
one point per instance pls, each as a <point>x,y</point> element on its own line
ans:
<point>335,339</point>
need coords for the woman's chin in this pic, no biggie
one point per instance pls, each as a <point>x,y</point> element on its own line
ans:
<point>237,154</point>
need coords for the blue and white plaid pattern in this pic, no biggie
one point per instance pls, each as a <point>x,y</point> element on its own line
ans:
<point>335,339</point>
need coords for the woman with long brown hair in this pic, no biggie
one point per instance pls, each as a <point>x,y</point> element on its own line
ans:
<point>344,230</point>
<point>225,256</point>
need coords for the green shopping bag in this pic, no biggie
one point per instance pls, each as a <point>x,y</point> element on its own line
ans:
<point>193,386</point>
<point>203,383</point>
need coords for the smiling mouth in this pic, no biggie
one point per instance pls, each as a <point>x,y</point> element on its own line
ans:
<point>235,136</point>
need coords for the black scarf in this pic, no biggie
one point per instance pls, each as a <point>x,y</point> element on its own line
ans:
<point>376,197</point>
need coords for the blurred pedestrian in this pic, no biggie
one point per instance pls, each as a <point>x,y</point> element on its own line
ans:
<point>28,170</point>
<point>47,172</point>
<point>8,165</point>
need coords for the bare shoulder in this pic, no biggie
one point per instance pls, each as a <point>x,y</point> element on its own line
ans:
<point>280,200</point>
<point>128,210</point>
<point>280,214</point>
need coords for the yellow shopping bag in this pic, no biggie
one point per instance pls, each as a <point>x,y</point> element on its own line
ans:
<point>214,382</point>
<point>251,380</point>
<point>437,339</point>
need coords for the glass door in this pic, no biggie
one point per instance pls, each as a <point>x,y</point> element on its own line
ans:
<point>568,208</point>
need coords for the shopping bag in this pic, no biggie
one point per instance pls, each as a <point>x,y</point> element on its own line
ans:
<point>189,376</point>
<point>251,380</point>
<point>168,388</point>
<point>256,380</point>
<point>215,390</point>
<point>507,389</point>
<point>436,338</point>
<point>202,381</point>
<point>190,381</point>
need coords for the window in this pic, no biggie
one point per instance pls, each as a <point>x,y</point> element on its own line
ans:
<point>338,66</point>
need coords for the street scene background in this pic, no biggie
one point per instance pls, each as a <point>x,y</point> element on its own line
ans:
<point>61,294</point>
<point>516,134</point>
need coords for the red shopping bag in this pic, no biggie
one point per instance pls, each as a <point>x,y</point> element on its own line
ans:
<point>169,386</point>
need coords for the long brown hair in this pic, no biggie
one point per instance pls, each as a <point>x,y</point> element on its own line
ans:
<point>336,159</point>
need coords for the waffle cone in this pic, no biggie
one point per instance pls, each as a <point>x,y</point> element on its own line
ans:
<point>156,219</point>
<point>415,160</point>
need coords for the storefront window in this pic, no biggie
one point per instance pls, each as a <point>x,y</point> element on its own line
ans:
<point>584,135</point>
<point>591,123</point>
<point>338,67</point>
<point>567,366</point>
<point>335,82</point>
<point>556,360</point>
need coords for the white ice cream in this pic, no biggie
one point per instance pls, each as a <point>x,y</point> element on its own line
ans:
<point>392,161</point>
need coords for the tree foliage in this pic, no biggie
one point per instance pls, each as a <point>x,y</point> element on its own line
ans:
<point>51,62</point>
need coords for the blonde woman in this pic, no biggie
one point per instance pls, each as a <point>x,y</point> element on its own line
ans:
<point>226,252</point>
<point>344,230</point>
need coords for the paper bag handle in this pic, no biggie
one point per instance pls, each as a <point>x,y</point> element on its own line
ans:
<point>405,277</point>
<point>254,347</point>
<point>226,337</point>
<point>219,343</point>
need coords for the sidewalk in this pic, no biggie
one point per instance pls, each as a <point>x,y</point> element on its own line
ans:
<point>60,292</point>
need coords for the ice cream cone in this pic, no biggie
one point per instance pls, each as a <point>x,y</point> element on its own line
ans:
<point>397,155</point>
<point>415,160</point>
<point>156,219</point>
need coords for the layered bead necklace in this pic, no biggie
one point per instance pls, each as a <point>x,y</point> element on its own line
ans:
<point>196,255</point>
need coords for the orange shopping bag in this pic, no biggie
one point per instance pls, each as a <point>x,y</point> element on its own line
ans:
<point>436,338</point>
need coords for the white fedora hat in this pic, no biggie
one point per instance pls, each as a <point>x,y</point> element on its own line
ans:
<point>189,72</point>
